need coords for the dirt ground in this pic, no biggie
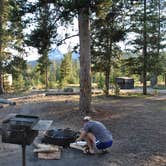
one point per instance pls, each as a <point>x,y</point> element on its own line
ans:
<point>137,124</point>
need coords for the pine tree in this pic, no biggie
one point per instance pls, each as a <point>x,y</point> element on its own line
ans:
<point>10,33</point>
<point>66,68</point>
<point>43,67</point>
<point>45,32</point>
<point>83,9</point>
<point>3,39</point>
<point>145,25</point>
<point>105,33</point>
<point>156,39</point>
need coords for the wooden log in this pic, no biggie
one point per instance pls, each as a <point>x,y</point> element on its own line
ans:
<point>61,93</point>
<point>6,101</point>
<point>50,156</point>
<point>47,148</point>
<point>29,96</point>
<point>70,93</point>
<point>47,151</point>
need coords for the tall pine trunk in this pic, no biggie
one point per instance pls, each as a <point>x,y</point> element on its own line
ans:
<point>85,61</point>
<point>158,36</point>
<point>165,79</point>
<point>1,33</point>
<point>107,78</point>
<point>145,52</point>
<point>155,75</point>
<point>46,78</point>
<point>1,84</point>
<point>107,69</point>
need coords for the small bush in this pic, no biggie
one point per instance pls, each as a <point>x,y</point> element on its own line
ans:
<point>117,90</point>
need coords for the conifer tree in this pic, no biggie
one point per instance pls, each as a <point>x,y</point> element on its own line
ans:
<point>46,18</point>
<point>66,68</point>
<point>84,9</point>
<point>3,38</point>
<point>146,42</point>
<point>10,33</point>
<point>105,33</point>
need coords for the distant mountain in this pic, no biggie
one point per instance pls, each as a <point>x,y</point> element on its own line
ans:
<point>55,55</point>
<point>32,63</point>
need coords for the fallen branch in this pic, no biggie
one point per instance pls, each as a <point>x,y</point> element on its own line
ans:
<point>6,101</point>
<point>61,93</point>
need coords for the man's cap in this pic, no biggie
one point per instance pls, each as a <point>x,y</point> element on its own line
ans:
<point>87,118</point>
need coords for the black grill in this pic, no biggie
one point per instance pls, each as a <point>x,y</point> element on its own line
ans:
<point>18,129</point>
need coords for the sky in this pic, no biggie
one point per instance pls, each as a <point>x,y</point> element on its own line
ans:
<point>64,48</point>
<point>73,29</point>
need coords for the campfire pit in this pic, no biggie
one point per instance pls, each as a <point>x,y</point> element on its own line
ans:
<point>61,137</point>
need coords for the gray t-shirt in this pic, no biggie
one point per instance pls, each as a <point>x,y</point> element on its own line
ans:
<point>99,130</point>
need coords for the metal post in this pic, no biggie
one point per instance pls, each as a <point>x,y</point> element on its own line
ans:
<point>23,155</point>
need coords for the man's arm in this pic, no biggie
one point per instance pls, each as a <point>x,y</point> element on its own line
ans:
<point>82,135</point>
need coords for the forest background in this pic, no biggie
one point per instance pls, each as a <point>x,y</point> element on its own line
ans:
<point>140,25</point>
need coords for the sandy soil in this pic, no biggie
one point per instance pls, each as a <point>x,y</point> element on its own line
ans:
<point>137,124</point>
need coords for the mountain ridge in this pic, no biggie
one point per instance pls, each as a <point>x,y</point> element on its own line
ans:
<point>55,55</point>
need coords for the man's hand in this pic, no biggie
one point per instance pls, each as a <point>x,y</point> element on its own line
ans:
<point>78,139</point>
<point>82,136</point>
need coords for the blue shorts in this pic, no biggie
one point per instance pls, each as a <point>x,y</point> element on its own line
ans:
<point>103,145</point>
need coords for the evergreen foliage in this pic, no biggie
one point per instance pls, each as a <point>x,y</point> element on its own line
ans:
<point>109,21</point>
<point>44,34</point>
<point>105,33</point>
<point>145,24</point>
<point>66,68</point>
<point>10,34</point>
<point>83,9</point>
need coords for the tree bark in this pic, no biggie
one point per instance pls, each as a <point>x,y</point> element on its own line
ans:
<point>107,78</point>
<point>154,79</point>
<point>145,52</point>
<point>85,61</point>
<point>1,84</point>
<point>1,33</point>
<point>46,78</point>
<point>165,79</point>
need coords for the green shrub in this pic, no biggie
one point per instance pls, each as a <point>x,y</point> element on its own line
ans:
<point>117,90</point>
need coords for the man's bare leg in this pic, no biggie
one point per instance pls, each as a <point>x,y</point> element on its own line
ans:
<point>90,139</point>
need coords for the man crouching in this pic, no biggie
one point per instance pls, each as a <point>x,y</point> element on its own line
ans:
<point>96,135</point>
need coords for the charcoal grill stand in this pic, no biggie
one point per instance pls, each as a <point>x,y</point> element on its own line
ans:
<point>39,126</point>
<point>23,155</point>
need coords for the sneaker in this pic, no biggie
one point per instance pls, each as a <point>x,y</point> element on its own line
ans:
<point>104,151</point>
